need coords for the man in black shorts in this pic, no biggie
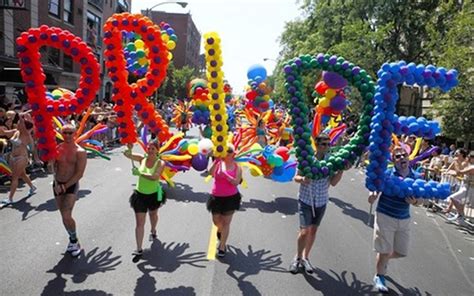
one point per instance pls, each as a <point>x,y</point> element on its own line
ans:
<point>69,168</point>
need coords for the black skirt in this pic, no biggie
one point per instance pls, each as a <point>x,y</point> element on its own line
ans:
<point>223,204</point>
<point>141,203</point>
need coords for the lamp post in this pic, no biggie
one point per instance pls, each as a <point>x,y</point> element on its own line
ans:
<point>268,59</point>
<point>183,4</point>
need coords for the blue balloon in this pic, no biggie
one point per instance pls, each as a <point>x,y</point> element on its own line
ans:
<point>256,70</point>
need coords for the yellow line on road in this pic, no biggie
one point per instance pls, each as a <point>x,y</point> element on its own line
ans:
<point>211,250</point>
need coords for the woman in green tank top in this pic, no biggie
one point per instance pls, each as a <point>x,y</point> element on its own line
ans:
<point>148,195</point>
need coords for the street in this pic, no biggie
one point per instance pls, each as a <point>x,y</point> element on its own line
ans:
<point>262,243</point>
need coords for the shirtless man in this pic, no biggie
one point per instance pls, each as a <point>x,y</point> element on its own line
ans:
<point>68,170</point>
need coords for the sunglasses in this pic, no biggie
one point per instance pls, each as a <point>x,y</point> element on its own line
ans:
<point>230,151</point>
<point>67,133</point>
<point>323,144</point>
<point>398,156</point>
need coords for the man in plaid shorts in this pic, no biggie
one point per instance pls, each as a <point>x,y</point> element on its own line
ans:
<point>313,196</point>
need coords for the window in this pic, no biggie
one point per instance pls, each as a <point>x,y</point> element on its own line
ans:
<point>68,11</point>
<point>53,56</point>
<point>93,30</point>
<point>67,63</point>
<point>53,7</point>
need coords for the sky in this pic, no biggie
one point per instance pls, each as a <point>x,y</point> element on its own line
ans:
<point>249,30</point>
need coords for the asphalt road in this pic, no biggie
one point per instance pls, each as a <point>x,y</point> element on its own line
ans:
<point>262,243</point>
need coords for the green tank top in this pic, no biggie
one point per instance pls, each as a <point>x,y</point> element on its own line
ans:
<point>145,185</point>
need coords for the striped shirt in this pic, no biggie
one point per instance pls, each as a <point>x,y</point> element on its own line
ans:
<point>315,193</point>
<point>394,206</point>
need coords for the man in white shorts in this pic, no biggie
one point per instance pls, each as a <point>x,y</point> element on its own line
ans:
<point>392,220</point>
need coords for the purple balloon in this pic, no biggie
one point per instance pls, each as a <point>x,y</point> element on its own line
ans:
<point>338,103</point>
<point>199,162</point>
<point>334,80</point>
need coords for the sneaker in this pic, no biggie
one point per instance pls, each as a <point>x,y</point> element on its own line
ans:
<point>379,283</point>
<point>152,237</point>
<point>453,217</point>
<point>295,266</point>
<point>307,266</point>
<point>6,202</point>
<point>74,249</point>
<point>137,254</point>
<point>221,253</point>
<point>32,190</point>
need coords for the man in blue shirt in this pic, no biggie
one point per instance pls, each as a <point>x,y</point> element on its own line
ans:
<point>313,196</point>
<point>392,220</point>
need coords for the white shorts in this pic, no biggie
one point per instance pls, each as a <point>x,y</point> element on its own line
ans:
<point>391,234</point>
<point>459,195</point>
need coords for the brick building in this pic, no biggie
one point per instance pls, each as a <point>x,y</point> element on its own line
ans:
<point>188,46</point>
<point>83,18</point>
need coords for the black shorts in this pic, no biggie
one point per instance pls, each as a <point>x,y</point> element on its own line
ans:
<point>223,204</point>
<point>141,203</point>
<point>73,189</point>
<point>307,217</point>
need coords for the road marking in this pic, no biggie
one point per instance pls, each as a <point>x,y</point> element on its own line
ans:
<point>212,249</point>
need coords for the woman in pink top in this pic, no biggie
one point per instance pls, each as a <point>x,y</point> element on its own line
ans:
<point>225,197</point>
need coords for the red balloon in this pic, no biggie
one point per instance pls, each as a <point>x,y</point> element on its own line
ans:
<point>321,87</point>
<point>251,95</point>
<point>283,152</point>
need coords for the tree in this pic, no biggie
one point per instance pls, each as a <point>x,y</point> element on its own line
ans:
<point>180,80</point>
<point>371,32</point>
<point>457,51</point>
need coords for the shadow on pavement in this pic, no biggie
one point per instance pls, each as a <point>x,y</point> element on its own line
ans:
<point>80,268</point>
<point>335,284</point>
<point>163,257</point>
<point>403,291</point>
<point>350,210</point>
<point>184,193</point>
<point>250,263</point>
<point>49,206</point>
<point>284,205</point>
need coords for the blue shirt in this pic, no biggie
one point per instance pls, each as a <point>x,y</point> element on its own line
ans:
<point>394,206</point>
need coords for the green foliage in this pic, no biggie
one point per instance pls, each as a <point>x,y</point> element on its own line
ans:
<point>371,32</point>
<point>181,78</point>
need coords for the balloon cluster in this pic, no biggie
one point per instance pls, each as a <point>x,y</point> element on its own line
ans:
<point>419,188</point>
<point>275,163</point>
<point>258,92</point>
<point>359,78</point>
<point>199,95</point>
<point>384,120</point>
<point>136,53</point>
<point>332,102</point>
<point>420,127</point>
<point>215,84</point>
<point>126,95</point>
<point>43,107</point>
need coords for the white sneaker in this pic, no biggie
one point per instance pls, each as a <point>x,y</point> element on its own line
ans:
<point>379,283</point>
<point>307,266</point>
<point>74,249</point>
<point>453,217</point>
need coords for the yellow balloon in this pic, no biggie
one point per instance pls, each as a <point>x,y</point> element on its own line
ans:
<point>170,56</point>
<point>324,102</point>
<point>330,93</point>
<point>165,38</point>
<point>193,149</point>
<point>139,43</point>
<point>142,61</point>
<point>171,45</point>
<point>254,173</point>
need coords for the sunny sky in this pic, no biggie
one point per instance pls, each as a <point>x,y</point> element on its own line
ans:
<point>249,30</point>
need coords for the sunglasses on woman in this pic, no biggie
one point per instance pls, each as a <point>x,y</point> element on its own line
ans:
<point>323,144</point>
<point>67,132</point>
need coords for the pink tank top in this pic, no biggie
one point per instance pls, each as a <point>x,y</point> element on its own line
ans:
<point>222,187</point>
